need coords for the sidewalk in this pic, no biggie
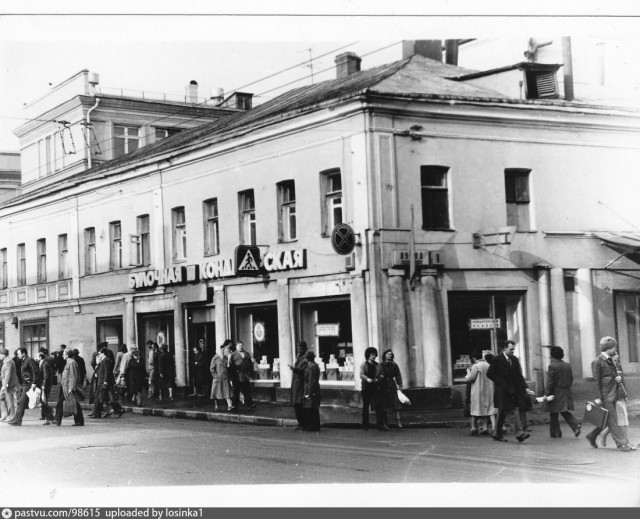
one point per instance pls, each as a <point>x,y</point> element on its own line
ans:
<point>282,415</point>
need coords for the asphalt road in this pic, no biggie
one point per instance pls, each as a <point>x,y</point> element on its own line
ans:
<point>143,452</point>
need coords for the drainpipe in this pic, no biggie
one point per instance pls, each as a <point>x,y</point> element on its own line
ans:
<point>568,68</point>
<point>88,134</point>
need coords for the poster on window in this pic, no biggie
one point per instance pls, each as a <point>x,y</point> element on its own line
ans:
<point>327,329</point>
<point>258,332</point>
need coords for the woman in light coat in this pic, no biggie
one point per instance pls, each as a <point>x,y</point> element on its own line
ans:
<point>220,389</point>
<point>481,394</point>
<point>69,388</point>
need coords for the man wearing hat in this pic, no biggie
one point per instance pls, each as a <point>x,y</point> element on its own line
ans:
<point>10,386</point>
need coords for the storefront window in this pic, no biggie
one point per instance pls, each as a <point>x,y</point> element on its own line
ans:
<point>257,327</point>
<point>109,330</point>
<point>34,337</point>
<point>157,328</point>
<point>628,327</point>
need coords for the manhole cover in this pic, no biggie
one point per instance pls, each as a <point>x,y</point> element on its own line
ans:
<point>564,461</point>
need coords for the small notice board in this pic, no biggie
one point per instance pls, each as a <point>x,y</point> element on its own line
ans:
<point>327,329</point>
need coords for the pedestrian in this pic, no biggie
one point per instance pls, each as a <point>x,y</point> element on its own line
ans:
<point>118,371</point>
<point>199,371</point>
<point>10,387</point>
<point>297,384</point>
<point>93,388</point>
<point>480,396</point>
<point>60,362</point>
<point>82,368</point>
<point>134,374</point>
<point>166,373</point>
<point>46,378</point>
<point>30,381</point>
<point>153,357</point>
<point>105,385</point>
<point>18,363</point>
<point>509,391</point>
<point>608,382</point>
<point>50,359</point>
<point>558,398</point>
<point>220,389</point>
<point>70,391</point>
<point>243,364</point>
<point>370,372</point>
<point>390,382</point>
<point>311,393</point>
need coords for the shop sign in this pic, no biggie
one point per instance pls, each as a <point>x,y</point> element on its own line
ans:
<point>285,260</point>
<point>112,340</point>
<point>258,332</point>
<point>151,278</point>
<point>327,329</point>
<point>216,269</point>
<point>484,324</point>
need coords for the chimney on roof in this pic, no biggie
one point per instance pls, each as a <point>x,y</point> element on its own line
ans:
<point>191,92</point>
<point>347,63</point>
<point>431,49</point>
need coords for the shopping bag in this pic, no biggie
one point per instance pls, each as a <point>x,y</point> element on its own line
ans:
<point>403,398</point>
<point>596,415</point>
<point>34,397</point>
<point>621,412</point>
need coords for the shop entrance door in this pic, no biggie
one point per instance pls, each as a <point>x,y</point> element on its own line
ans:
<point>157,328</point>
<point>201,329</point>
<point>484,321</point>
<point>628,328</point>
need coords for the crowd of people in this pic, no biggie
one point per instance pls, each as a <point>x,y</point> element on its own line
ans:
<point>497,391</point>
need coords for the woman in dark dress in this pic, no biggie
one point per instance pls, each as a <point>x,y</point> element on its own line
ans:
<point>557,395</point>
<point>389,385</point>
<point>311,402</point>
<point>199,372</point>
<point>134,374</point>
<point>297,384</point>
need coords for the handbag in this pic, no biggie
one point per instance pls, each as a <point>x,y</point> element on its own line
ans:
<point>595,415</point>
<point>78,394</point>
<point>621,412</point>
<point>403,398</point>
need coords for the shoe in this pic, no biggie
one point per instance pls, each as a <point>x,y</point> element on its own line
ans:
<point>522,437</point>
<point>632,447</point>
<point>365,427</point>
<point>14,423</point>
<point>499,439</point>
<point>400,426</point>
<point>77,425</point>
<point>41,418</point>
<point>232,408</point>
<point>47,423</point>
<point>120,413</point>
<point>384,428</point>
<point>484,433</point>
<point>91,415</point>
<point>58,424</point>
<point>555,436</point>
<point>526,429</point>
<point>592,441</point>
<point>625,448</point>
<point>252,406</point>
<point>473,433</point>
<point>108,414</point>
<point>578,430</point>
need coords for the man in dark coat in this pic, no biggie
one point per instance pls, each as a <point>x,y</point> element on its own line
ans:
<point>297,384</point>
<point>557,394</point>
<point>311,397</point>
<point>105,385</point>
<point>60,360</point>
<point>82,368</point>
<point>166,372</point>
<point>243,364</point>
<point>30,380</point>
<point>18,363</point>
<point>46,377</point>
<point>510,390</point>
<point>370,375</point>
<point>607,384</point>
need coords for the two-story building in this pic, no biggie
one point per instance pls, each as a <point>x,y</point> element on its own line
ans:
<point>520,213</point>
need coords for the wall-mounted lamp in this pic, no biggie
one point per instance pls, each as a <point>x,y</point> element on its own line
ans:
<point>14,321</point>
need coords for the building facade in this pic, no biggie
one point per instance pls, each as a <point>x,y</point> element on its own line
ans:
<point>519,215</point>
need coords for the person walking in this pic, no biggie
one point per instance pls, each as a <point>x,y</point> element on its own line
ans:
<point>480,396</point>
<point>153,357</point>
<point>46,377</point>
<point>220,389</point>
<point>30,380</point>
<point>297,384</point>
<point>122,358</point>
<point>243,364</point>
<point>134,374</point>
<point>558,397</point>
<point>607,382</point>
<point>509,391</point>
<point>105,383</point>
<point>82,368</point>
<point>391,381</point>
<point>199,371</point>
<point>166,372</point>
<point>370,373</point>
<point>311,403</point>
<point>9,391</point>
<point>69,391</point>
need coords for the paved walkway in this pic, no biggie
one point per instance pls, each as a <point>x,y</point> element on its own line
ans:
<point>282,414</point>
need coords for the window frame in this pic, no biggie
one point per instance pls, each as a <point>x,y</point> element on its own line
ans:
<point>517,185</point>
<point>287,211</point>
<point>211,222</point>
<point>126,139</point>
<point>439,193</point>
<point>90,256</point>
<point>179,234</point>
<point>115,245</point>
<point>247,217</point>
<point>41,248</point>
<point>63,256</point>
<point>140,243</point>
<point>21,267</point>
<point>4,269</point>
<point>332,199</point>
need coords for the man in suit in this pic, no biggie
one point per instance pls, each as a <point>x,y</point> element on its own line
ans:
<point>608,386</point>
<point>10,387</point>
<point>243,364</point>
<point>510,389</point>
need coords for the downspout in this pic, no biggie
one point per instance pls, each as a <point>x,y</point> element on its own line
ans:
<point>88,134</point>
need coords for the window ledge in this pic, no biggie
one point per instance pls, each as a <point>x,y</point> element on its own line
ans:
<point>526,232</point>
<point>438,230</point>
<point>211,254</point>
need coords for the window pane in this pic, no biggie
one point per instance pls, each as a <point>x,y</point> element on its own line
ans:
<point>335,183</point>
<point>433,176</point>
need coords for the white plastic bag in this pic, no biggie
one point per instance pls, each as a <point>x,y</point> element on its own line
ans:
<point>403,398</point>
<point>34,397</point>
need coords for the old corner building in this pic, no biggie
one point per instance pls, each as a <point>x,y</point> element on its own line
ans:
<point>519,212</point>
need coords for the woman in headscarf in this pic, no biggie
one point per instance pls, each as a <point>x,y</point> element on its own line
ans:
<point>297,384</point>
<point>220,389</point>
<point>69,390</point>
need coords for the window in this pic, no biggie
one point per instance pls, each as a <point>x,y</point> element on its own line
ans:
<point>4,273</point>
<point>516,184</point>
<point>179,234</point>
<point>247,204</point>
<point>211,229</point>
<point>115,239</point>
<point>332,205</point>
<point>125,140</point>
<point>435,197</point>
<point>163,133</point>
<point>22,265</point>
<point>287,230</point>
<point>90,266</point>
<point>34,337</point>
<point>42,260</point>
<point>140,243</point>
<point>63,255</point>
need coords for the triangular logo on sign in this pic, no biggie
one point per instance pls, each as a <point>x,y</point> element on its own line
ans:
<point>248,263</point>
